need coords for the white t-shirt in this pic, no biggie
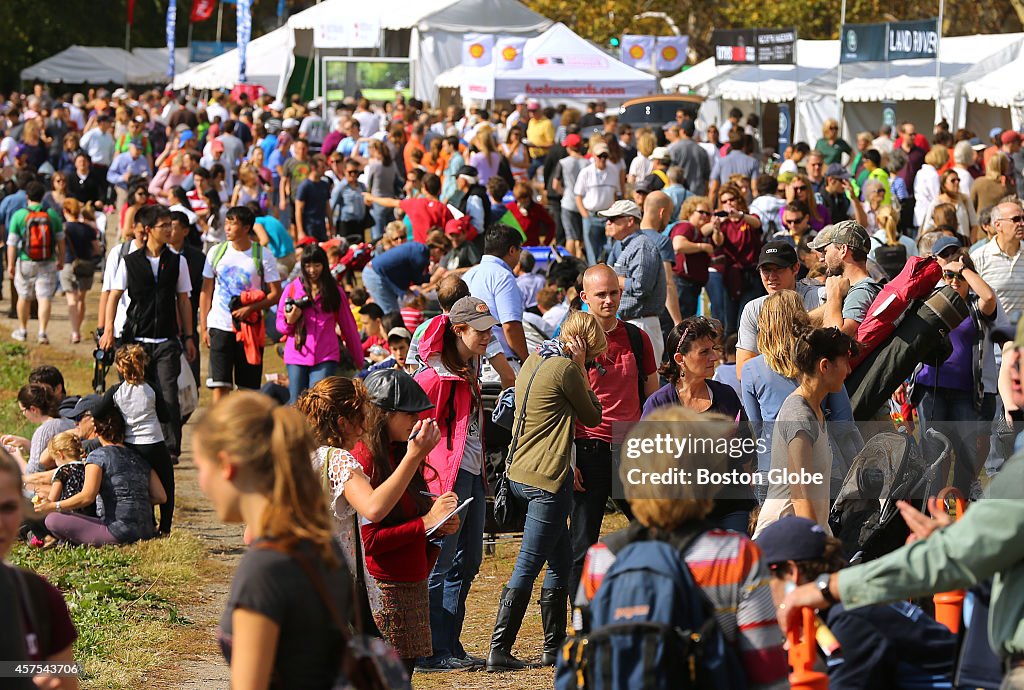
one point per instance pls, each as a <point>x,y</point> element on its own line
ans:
<point>235,273</point>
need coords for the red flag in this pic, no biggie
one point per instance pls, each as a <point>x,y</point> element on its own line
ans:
<point>202,10</point>
<point>131,11</point>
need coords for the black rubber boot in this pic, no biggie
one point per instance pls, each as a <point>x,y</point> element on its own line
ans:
<point>553,605</point>
<point>511,609</point>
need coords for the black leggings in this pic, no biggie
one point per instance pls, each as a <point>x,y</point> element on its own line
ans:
<point>159,459</point>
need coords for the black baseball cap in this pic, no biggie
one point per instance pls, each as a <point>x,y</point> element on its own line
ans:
<point>778,253</point>
<point>791,538</point>
<point>395,391</point>
<point>81,406</point>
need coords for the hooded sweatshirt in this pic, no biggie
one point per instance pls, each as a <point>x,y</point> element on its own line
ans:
<point>454,410</point>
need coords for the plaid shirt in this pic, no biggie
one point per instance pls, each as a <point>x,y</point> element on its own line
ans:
<point>644,291</point>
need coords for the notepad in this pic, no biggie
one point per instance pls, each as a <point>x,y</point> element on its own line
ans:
<point>447,517</point>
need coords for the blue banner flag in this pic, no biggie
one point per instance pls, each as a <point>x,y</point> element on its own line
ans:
<point>172,16</point>
<point>243,20</point>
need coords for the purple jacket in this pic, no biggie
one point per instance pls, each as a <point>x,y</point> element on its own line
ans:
<point>321,343</point>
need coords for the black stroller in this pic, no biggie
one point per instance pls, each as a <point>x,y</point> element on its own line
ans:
<point>890,468</point>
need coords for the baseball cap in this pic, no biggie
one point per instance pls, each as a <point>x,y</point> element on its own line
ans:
<point>995,132</point>
<point>944,243</point>
<point>533,104</point>
<point>119,93</point>
<point>660,154</point>
<point>599,148</point>
<point>688,127</point>
<point>458,226</point>
<point>1009,137</point>
<point>791,538</point>
<point>838,171</point>
<point>394,390</point>
<point>778,253</point>
<point>651,183</point>
<point>572,141</point>
<point>185,136</point>
<point>277,105</point>
<point>622,207</point>
<point>519,100</point>
<point>848,232</point>
<point>84,405</point>
<point>289,123</point>
<point>473,312</point>
<point>217,145</point>
<point>469,172</point>
<point>399,332</point>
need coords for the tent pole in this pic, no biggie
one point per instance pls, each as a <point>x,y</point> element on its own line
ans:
<point>128,36</point>
<point>938,65</point>
<point>839,74</point>
<point>220,18</point>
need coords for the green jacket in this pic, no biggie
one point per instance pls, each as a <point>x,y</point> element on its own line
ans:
<point>987,541</point>
<point>558,397</point>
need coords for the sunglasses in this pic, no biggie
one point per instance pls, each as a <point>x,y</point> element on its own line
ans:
<point>952,275</point>
<point>799,189</point>
<point>603,156</point>
<point>1016,220</point>
<point>702,212</point>
<point>793,221</point>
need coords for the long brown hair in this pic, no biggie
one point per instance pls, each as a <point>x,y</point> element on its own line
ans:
<point>274,445</point>
<point>330,399</point>
<point>384,455</point>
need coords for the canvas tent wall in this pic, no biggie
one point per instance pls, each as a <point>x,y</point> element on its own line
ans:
<point>993,91</point>
<point>155,59</point>
<point>561,67</point>
<point>426,32</point>
<point>266,57</point>
<point>93,65</point>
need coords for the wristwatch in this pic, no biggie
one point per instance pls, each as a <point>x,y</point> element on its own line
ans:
<point>822,583</point>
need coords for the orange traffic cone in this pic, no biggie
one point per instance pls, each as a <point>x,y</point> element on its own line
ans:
<point>949,605</point>
<point>803,653</point>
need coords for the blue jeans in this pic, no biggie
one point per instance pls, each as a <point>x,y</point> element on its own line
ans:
<point>545,536</point>
<point>382,290</point>
<point>718,296</point>
<point>455,568</point>
<point>382,215</point>
<point>303,376</point>
<point>689,296</point>
<point>594,239</point>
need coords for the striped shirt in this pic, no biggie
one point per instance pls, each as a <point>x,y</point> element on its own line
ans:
<point>1005,275</point>
<point>727,566</point>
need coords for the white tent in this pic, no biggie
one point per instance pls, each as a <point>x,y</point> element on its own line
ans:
<point>94,65</point>
<point>559,66</point>
<point>994,83</point>
<point>695,77</point>
<point>155,59</point>
<point>265,59</point>
<point>427,32</point>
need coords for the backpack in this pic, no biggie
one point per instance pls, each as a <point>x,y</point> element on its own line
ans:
<point>39,235</point>
<point>257,257</point>
<point>891,258</point>
<point>652,626</point>
<point>636,344</point>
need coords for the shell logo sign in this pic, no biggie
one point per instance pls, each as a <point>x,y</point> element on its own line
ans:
<point>636,52</point>
<point>509,54</point>
<point>669,53</point>
<point>476,51</point>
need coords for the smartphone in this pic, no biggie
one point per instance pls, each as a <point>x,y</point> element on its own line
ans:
<point>721,214</point>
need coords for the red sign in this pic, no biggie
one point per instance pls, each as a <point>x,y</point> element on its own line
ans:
<point>131,12</point>
<point>202,10</point>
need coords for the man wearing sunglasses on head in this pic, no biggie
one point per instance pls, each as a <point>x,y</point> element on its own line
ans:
<point>999,260</point>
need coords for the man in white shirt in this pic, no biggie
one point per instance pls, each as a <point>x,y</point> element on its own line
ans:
<point>99,143</point>
<point>596,189</point>
<point>369,122</point>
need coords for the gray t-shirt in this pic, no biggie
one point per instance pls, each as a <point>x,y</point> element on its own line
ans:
<point>41,438</point>
<point>859,298</point>
<point>746,337</point>
<point>797,417</point>
<point>570,167</point>
<point>123,502</point>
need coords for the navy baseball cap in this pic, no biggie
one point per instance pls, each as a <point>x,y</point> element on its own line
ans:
<point>792,538</point>
<point>82,406</point>
<point>943,243</point>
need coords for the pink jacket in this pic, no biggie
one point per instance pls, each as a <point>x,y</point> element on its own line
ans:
<point>453,401</point>
<point>321,344</point>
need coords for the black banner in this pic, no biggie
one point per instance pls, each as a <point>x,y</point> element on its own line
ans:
<point>754,46</point>
<point>889,42</point>
<point>776,46</point>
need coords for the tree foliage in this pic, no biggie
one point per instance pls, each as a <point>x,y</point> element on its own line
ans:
<point>603,19</point>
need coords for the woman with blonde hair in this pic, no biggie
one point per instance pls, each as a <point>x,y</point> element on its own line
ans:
<point>887,234</point>
<point>553,393</point>
<point>642,166</point>
<point>997,183</point>
<point>771,376</point>
<point>291,592</point>
<point>801,190</point>
<point>831,145</point>
<point>517,153</point>
<point>926,183</point>
<point>486,157</point>
<point>966,221</point>
<point>249,188</point>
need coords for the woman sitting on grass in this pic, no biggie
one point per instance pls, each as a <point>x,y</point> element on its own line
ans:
<point>121,485</point>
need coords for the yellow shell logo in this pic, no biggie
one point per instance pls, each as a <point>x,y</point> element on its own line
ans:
<point>669,53</point>
<point>476,51</point>
<point>509,54</point>
<point>636,52</point>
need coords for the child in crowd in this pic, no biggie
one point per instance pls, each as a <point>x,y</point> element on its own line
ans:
<point>412,311</point>
<point>356,299</point>
<point>530,283</point>
<point>374,338</point>
<point>726,371</point>
<point>69,478</point>
<point>143,410</point>
<point>398,343</point>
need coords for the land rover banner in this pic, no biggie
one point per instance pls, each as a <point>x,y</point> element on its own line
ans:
<point>890,41</point>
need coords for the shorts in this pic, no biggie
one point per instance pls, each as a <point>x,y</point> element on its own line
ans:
<point>228,367</point>
<point>69,282</point>
<point>572,224</point>
<point>35,278</point>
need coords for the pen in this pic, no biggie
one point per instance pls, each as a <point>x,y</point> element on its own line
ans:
<point>427,493</point>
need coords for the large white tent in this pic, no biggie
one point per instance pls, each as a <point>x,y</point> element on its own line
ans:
<point>427,32</point>
<point>155,59</point>
<point>995,83</point>
<point>94,65</point>
<point>265,59</point>
<point>559,66</point>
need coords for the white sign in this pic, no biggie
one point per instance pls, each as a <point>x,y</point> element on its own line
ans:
<point>356,33</point>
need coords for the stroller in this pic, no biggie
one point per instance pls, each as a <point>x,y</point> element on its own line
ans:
<point>890,468</point>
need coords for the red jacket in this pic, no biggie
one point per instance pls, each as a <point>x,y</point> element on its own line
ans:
<point>453,403</point>
<point>400,553</point>
<point>536,223</point>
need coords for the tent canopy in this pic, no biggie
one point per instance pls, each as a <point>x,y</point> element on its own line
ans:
<point>558,65</point>
<point>155,60</point>
<point>265,59</point>
<point>94,65</point>
<point>996,80</point>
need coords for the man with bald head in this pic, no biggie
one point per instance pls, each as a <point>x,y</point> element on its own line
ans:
<point>998,260</point>
<point>622,378</point>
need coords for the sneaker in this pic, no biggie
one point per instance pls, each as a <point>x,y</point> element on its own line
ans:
<point>76,338</point>
<point>448,664</point>
<point>21,335</point>
<point>471,662</point>
<point>43,338</point>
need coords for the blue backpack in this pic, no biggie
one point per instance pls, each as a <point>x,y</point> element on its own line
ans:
<point>651,626</point>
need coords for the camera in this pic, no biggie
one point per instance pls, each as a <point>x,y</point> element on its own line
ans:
<point>104,357</point>
<point>721,214</point>
<point>303,302</point>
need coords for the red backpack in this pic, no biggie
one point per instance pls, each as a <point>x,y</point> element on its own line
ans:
<point>39,235</point>
<point>916,281</point>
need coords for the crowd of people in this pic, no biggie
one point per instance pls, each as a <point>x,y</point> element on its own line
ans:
<point>412,266</point>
